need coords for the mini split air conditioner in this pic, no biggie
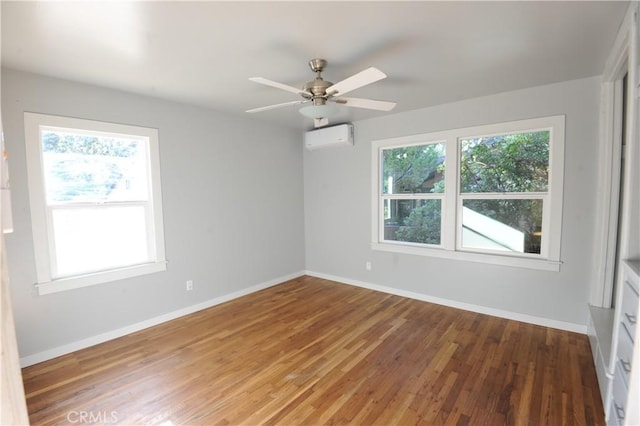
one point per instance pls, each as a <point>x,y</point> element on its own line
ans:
<point>327,137</point>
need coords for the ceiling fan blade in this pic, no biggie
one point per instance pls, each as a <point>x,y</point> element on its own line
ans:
<point>277,85</point>
<point>366,103</point>
<point>368,76</point>
<point>266,108</point>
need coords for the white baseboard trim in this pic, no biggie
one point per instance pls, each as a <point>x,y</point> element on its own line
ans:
<point>546,322</point>
<point>114,334</point>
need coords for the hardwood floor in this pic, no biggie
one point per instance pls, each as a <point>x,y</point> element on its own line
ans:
<point>312,351</point>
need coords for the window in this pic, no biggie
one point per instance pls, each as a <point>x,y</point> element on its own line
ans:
<point>413,193</point>
<point>96,207</point>
<point>489,193</point>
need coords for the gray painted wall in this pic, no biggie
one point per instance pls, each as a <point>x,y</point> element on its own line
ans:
<point>232,220</point>
<point>337,188</point>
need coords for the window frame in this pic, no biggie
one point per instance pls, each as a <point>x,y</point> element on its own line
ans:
<point>414,196</point>
<point>41,211</point>
<point>451,225</point>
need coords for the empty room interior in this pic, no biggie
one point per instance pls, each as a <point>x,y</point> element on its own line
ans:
<point>331,212</point>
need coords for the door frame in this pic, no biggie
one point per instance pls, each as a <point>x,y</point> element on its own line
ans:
<point>622,59</point>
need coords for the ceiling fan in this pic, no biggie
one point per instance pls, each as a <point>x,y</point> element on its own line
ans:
<point>320,92</point>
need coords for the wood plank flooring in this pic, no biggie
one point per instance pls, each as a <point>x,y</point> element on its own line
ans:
<point>312,351</point>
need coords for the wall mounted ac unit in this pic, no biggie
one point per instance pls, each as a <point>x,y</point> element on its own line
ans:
<point>327,137</point>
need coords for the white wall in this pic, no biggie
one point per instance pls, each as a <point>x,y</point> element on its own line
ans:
<point>338,203</point>
<point>233,210</point>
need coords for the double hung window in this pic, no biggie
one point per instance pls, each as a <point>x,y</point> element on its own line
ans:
<point>488,193</point>
<point>95,201</point>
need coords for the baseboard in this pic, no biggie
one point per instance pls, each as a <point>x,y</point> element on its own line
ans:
<point>546,322</point>
<point>113,334</point>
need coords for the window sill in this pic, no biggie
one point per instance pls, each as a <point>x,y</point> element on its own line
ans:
<point>71,283</point>
<point>492,259</point>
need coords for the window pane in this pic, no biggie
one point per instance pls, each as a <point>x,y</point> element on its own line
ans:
<point>508,163</point>
<point>99,238</point>
<point>413,169</point>
<point>415,221</point>
<point>86,168</point>
<point>506,225</point>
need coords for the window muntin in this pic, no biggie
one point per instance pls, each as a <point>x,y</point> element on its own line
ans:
<point>509,215</point>
<point>95,201</point>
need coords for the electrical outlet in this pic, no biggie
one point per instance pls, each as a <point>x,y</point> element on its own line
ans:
<point>189,285</point>
<point>368,266</point>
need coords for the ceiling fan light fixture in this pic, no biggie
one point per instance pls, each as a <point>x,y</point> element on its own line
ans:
<point>320,111</point>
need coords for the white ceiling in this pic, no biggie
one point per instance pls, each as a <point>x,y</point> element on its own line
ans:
<point>203,53</point>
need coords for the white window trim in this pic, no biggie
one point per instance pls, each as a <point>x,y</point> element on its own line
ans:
<point>33,123</point>
<point>548,260</point>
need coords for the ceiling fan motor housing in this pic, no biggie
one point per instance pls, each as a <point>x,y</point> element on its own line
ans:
<point>317,88</point>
